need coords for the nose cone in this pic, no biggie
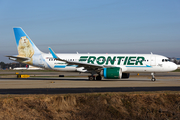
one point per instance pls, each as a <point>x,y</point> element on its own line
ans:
<point>173,66</point>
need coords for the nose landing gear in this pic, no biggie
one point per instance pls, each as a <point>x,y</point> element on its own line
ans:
<point>153,77</point>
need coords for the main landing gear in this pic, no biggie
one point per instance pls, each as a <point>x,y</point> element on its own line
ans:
<point>92,77</point>
<point>98,77</point>
<point>153,77</point>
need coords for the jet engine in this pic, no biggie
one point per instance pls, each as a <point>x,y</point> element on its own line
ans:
<point>112,73</point>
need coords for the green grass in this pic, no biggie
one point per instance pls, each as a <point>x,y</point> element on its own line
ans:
<point>177,70</point>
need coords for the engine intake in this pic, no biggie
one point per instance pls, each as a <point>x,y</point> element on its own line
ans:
<point>112,73</point>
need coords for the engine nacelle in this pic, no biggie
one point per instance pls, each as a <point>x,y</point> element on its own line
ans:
<point>112,73</point>
<point>125,75</point>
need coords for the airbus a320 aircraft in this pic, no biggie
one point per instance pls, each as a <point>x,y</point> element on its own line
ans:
<point>110,66</point>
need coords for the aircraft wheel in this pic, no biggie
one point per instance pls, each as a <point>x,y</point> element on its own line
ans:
<point>91,78</point>
<point>98,78</point>
<point>153,79</point>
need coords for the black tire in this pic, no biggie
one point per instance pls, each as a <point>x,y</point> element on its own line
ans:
<point>153,79</point>
<point>91,78</point>
<point>98,78</point>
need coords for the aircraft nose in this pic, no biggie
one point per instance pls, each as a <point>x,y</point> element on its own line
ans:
<point>174,66</point>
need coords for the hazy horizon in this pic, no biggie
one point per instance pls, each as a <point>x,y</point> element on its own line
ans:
<point>93,26</point>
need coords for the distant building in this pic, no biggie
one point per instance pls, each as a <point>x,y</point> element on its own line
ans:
<point>178,59</point>
<point>11,65</point>
<point>175,60</point>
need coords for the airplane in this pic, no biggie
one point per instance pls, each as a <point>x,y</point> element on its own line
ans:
<point>109,66</point>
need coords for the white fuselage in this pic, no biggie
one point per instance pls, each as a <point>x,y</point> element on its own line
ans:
<point>128,62</point>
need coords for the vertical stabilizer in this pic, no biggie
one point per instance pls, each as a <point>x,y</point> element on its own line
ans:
<point>26,48</point>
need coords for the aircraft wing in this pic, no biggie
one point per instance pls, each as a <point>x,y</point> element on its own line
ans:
<point>15,58</point>
<point>87,66</point>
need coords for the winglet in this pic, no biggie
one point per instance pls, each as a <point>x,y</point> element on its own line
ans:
<point>55,56</point>
<point>53,53</point>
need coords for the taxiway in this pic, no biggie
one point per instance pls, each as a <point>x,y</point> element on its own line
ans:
<point>73,84</point>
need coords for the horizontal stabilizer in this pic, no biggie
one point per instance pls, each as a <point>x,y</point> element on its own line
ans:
<point>18,58</point>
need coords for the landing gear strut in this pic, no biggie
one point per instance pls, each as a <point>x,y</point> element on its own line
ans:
<point>153,77</point>
<point>92,77</point>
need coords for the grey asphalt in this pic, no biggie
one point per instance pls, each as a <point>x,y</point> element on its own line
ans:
<point>63,85</point>
<point>85,90</point>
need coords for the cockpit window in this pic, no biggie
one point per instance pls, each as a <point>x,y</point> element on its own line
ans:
<point>165,60</point>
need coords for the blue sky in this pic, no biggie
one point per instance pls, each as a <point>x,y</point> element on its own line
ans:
<point>94,26</point>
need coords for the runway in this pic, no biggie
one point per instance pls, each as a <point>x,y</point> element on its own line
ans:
<point>72,84</point>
